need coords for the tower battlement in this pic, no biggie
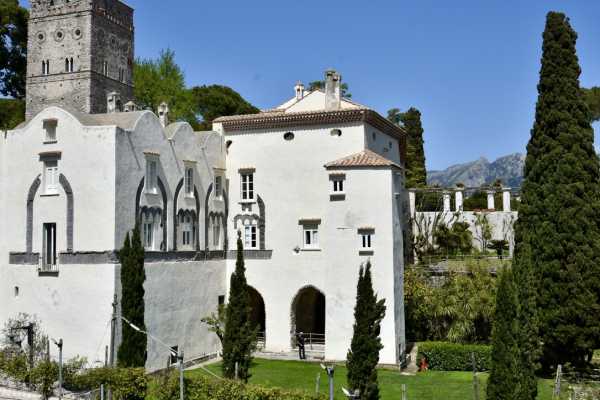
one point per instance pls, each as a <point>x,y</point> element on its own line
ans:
<point>114,10</point>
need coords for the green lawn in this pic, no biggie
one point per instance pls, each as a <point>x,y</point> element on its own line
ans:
<point>432,385</point>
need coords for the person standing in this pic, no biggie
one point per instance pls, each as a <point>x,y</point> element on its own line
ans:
<point>301,346</point>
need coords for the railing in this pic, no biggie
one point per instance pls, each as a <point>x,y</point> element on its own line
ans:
<point>47,268</point>
<point>261,340</point>
<point>312,341</point>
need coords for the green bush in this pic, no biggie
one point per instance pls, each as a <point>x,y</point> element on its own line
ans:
<point>445,356</point>
<point>126,383</point>
<point>43,376</point>
<point>202,388</point>
<point>14,366</point>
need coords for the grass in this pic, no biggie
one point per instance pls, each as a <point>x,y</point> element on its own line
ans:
<point>432,385</point>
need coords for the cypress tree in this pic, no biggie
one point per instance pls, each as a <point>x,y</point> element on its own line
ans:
<point>132,351</point>
<point>363,355</point>
<point>505,351</point>
<point>416,173</point>
<point>557,254</point>
<point>239,339</point>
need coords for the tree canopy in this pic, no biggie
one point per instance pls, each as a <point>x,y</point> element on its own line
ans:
<point>557,253</point>
<point>592,98</point>
<point>215,101</point>
<point>132,350</point>
<point>12,113</point>
<point>363,355</point>
<point>239,338</point>
<point>416,173</point>
<point>13,48</point>
<point>162,80</point>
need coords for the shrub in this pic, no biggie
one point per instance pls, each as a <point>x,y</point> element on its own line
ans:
<point>201,388</point>
<point>43,376</point>
<point>444,356</point>
<point>14,366</point>
<point>126,383</point>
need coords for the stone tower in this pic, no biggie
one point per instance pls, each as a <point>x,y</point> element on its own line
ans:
<point>78,52</point>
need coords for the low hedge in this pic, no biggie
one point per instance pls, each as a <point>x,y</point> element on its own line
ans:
<point>203,388</point>
<point>445,356</point>
<point>125,383</point>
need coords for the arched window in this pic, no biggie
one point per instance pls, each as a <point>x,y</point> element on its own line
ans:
<point>187,230</point>
<point>151,220</point>
<point>71,65</point>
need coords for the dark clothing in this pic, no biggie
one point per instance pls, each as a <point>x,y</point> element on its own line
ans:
<point>301,346</point>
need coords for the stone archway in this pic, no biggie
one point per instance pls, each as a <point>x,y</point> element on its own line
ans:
<point>257,314</point>
<point>308,315</point>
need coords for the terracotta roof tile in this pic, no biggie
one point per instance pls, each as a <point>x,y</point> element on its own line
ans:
<point>365,158</point>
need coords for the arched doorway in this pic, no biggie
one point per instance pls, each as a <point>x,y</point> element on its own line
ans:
<point>257,314</point>
<point>308,317</point>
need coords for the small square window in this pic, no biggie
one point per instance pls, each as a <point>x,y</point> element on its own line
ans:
<point>221,300</point>
<point>366,240</point>
<point>367,237</point>
<point>338,184</point>
<point>50,130</point>
<point>311,236</point>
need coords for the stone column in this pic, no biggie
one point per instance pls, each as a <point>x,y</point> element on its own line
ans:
<point>412,200</point>
<point>506,199</point>
<point>458,199</point>
<point>446,197</point>
<point>490,200</point>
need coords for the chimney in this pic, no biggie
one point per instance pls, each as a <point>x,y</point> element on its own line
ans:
<point>113,103</point>
<point>333,96</point>
<point>299,88</point>
<point>163,113</point>
<point>130,106</point>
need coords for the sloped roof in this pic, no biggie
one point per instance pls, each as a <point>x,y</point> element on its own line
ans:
<point>123,120</point>
<point>365,158</point>
<point>281,119</point>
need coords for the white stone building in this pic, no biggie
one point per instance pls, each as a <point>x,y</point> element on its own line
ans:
<point>315,187</point>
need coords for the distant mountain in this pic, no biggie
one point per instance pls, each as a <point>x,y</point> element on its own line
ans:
<point>509,169</point>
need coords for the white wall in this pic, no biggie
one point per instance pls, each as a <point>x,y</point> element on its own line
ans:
<point>178,296</point>
<point>76,306</point>
<point>501,222</point>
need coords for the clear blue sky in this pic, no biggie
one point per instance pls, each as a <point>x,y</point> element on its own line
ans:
<point>470,66</point>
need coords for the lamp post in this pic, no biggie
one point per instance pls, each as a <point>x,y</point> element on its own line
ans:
<point>178,354</point>
<point>355,395</point>
<point>59,344</point>
<point>330,371</point>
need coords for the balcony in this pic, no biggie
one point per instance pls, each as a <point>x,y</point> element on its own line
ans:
<point>48,268</point>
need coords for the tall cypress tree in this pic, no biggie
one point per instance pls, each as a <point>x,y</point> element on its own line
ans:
<point>132,351</point>
<point>239,339</point>
<point>416,173</point>
<point>505,335</point>
<point>363,355</point>
<point>557,254</point>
